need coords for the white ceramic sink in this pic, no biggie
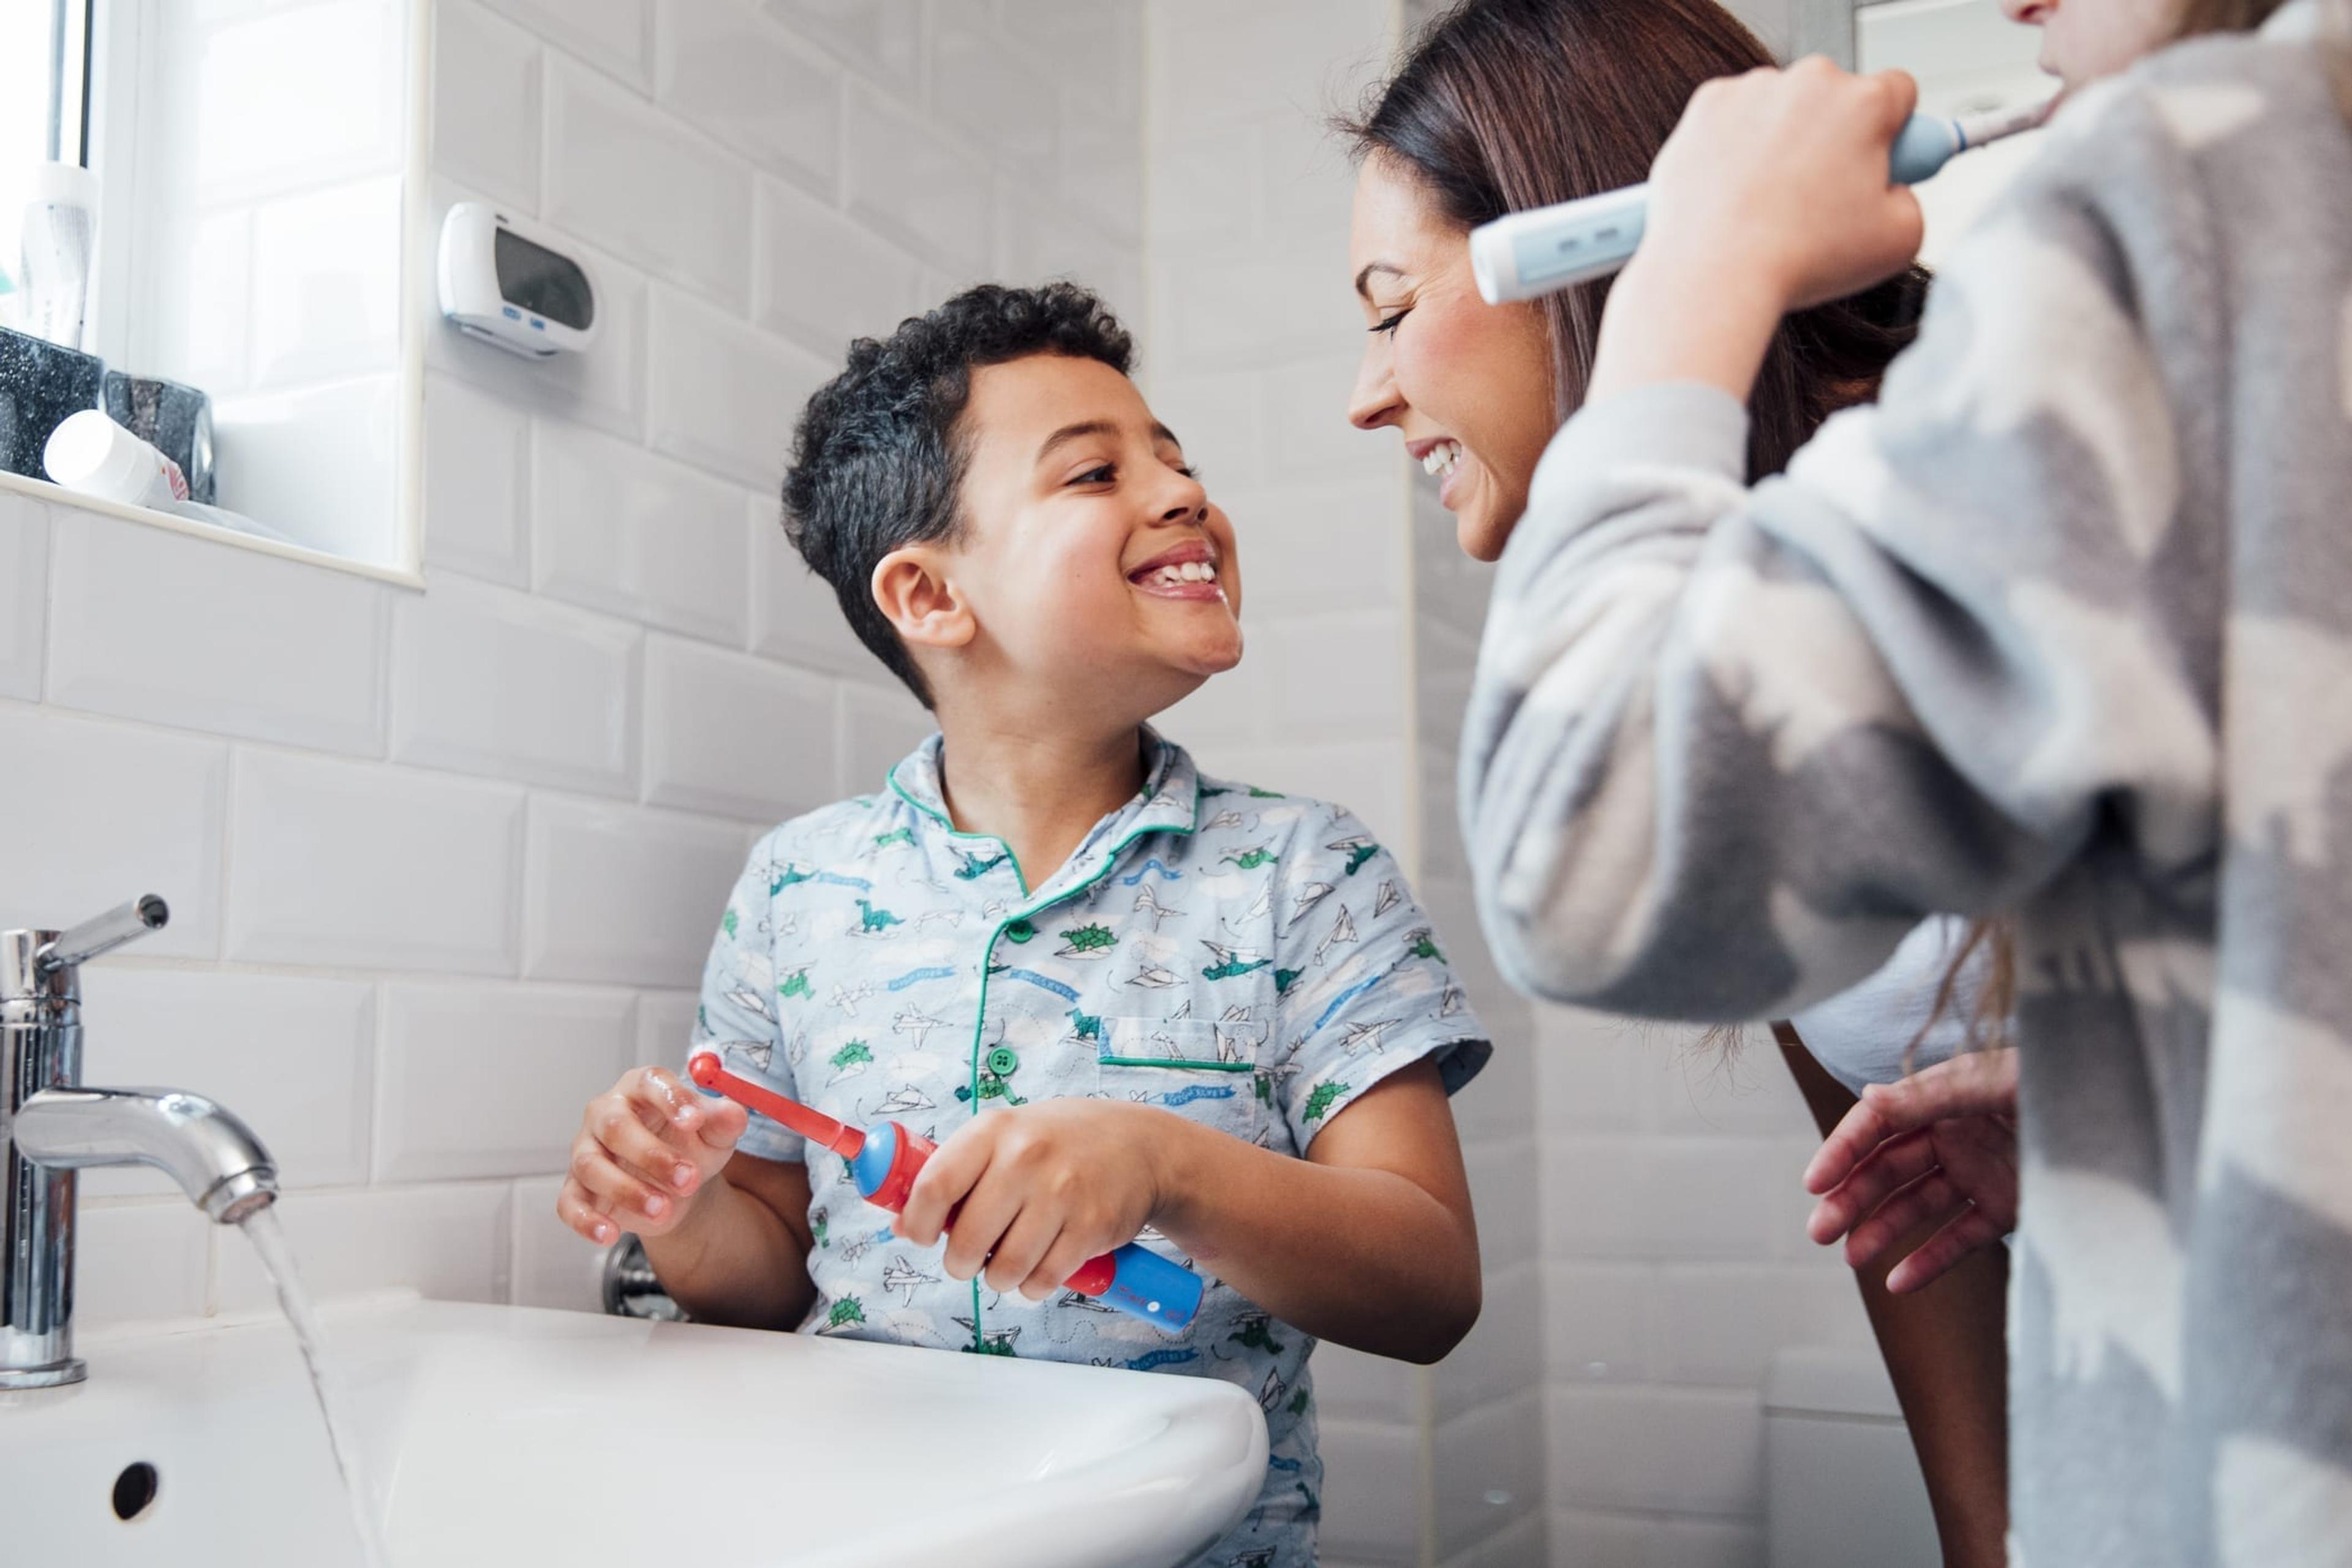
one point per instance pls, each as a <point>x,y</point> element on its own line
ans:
<point>517,1436</point>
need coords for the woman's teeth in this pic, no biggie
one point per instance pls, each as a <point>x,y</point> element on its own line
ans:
<point>1441,459</point>
<point>1190,571</point>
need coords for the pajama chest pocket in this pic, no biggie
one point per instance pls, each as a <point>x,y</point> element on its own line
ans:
<point>1187,1066</point>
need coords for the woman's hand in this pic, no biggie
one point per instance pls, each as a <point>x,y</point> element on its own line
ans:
<point>1939,1145</point>
<point>1783,175</point>
<point>1030,1193</point>
<point>1772,194</point>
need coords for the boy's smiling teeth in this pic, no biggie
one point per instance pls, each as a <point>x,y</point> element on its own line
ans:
<point>1187,572</point>
<point>1441,459</point>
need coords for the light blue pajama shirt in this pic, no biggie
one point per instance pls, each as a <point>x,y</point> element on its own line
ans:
<point>1251,961</point>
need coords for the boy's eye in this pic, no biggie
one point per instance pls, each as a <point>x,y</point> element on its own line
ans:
<point>1102,474</point>
<point>1389,323</point>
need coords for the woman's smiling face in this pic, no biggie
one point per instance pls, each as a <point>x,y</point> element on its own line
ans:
<point>1468,385</point>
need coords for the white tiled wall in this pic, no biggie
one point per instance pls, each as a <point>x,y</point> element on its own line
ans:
<point>442,864</point>
<point>1675,1265</point>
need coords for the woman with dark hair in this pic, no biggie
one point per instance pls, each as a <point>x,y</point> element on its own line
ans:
<point>2057,626</point>
<point>1501,105</point>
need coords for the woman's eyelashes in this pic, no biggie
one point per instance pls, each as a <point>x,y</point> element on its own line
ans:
<point>1389,323</point>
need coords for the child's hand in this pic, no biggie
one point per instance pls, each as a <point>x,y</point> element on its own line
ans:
<point>1783,175</point>
<point>645,1147</point>
<point>1043,1188</point>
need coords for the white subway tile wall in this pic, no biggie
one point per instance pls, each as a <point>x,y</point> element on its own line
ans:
<point>487,680</point>
<point>24,594</point>
<point>1676,1266</point>
<point>490,1080</point>
<point>292,1054</point>
<point>160,627</point>
<point>105,811</point>
<point>477,455</point>
<point>136,1262</point>
<point>355,865</point>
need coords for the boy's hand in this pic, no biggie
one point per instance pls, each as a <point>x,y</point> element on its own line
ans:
<point>1043,1188</point>
<point>1782,175</point>
<point>645,1147</point>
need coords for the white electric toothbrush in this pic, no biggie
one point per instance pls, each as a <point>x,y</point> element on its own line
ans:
<point>1530,252</point>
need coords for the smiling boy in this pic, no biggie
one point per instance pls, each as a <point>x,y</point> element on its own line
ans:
<point>1127,999</point>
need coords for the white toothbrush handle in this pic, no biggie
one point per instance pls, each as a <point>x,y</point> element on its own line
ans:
<point>1527,254</point>
<point>1532,253</point>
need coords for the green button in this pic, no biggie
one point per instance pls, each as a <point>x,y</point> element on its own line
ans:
<point>1002,1061</point>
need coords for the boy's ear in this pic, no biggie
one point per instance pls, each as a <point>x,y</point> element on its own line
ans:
<point>920,601</point>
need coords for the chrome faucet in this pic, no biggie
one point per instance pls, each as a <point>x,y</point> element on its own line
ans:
<point>52,1127</point>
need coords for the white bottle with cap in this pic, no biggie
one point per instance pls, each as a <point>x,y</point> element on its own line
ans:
<point>90,453</point>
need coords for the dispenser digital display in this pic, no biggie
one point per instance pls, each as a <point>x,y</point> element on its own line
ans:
<point>541,281</point>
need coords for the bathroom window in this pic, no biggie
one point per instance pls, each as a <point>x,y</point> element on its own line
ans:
<point>256,173</point>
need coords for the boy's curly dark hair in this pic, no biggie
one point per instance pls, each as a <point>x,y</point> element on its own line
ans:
<point>877,462</point>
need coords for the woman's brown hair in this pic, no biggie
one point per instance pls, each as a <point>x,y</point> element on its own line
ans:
<point>1501,105</point>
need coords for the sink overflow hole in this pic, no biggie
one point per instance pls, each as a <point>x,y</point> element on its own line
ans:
<point>134,1490</point>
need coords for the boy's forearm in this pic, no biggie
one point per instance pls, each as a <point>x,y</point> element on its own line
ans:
<point>734,1262</point>
<point>1363,1258</point>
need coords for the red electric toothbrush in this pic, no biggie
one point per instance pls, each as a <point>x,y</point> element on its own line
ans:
<point>884,1160</point>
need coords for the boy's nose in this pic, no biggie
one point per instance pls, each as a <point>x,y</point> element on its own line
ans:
<point>1185,498</point>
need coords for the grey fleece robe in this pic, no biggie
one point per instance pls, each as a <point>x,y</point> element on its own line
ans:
<point>2061,626</point>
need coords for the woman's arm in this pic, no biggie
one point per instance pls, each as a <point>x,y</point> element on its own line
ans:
<point>1947,1350</point>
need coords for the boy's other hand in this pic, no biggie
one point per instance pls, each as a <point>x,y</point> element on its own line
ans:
<point>645,1148</point>
<point>1033,1191</point>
